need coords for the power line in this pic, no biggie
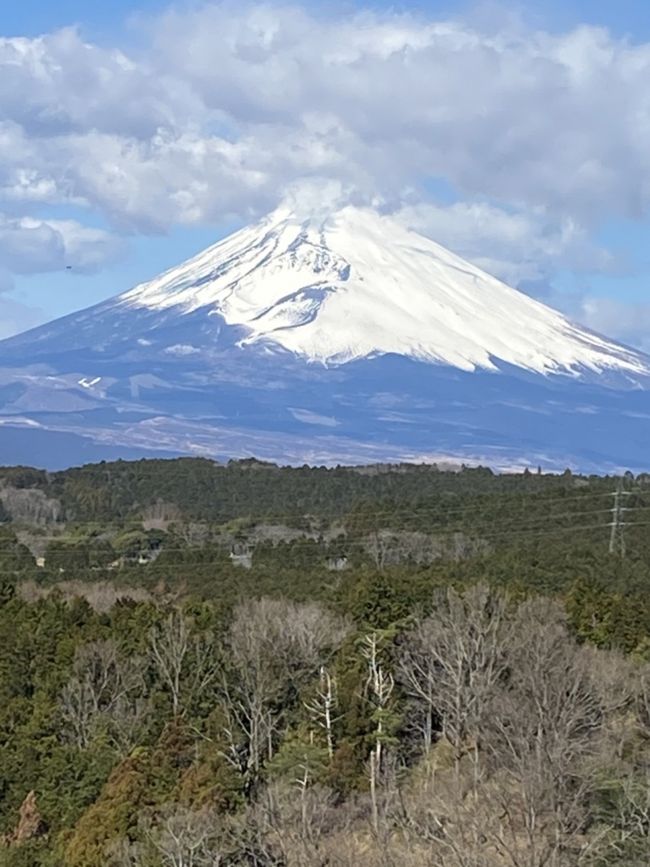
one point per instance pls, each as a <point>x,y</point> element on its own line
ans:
<point>488,528</point>
<point>350,513</point>
<point>313,556</point>
<point>490,531</point>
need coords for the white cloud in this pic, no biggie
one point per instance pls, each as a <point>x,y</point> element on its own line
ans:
<point>16,316</point>
<point>223,108</point>
<point>87,249</point>
<point>6,281</point>
<point>29,246</point>
<point>533,119</point>
<point>58,84</point>
<point>517,247</point>
<point>630,322</point>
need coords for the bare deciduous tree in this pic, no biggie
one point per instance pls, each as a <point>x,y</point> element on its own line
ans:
<point>323,708</point>
<point>445,812</point>
<point>539,710</point>
<point>279,829</point>
<point>453,660</point>
<point>379,689</point>
<point>186,663</point>
<point>185,838</point>
<point>173,836</point>
<point>543,734</point>
<point>271,647</point>
<point>105,686</point>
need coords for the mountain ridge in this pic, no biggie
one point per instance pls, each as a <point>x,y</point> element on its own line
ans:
<point>379,288</point>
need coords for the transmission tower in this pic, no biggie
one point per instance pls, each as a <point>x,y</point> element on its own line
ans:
<point>617,524</point>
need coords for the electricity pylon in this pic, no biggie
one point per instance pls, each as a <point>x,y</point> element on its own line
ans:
<point>617,524</point>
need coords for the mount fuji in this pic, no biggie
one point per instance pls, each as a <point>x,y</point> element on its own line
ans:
<point>338,339</point>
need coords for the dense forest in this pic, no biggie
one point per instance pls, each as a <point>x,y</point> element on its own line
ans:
<point>242,664</point>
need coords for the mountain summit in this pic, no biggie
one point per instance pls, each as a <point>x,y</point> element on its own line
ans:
<point>340,338</point>
<point>356,284</point>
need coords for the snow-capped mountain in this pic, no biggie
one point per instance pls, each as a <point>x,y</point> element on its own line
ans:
<point>339,338</point>
<point>357,284</point>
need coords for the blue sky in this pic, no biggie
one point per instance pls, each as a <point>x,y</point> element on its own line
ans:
<point>32,17</point>
<point>516,134</point>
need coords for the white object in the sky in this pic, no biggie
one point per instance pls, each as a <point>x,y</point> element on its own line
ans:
<point>357,284</point>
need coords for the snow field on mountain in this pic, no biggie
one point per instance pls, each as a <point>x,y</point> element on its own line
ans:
<point>358,284</point>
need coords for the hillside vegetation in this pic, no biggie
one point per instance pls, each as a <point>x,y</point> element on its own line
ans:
<point>251,665</point>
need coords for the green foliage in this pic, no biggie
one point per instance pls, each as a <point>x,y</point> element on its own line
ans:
<point>378,600</point>
<point>166,529</point>
<point>114,815</point>
<point>300,759</point>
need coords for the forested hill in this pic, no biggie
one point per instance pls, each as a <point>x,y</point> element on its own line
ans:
<point>196,489</point>
<point>192,525</point>
<point>200,489</point>
<point>253,666</point>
